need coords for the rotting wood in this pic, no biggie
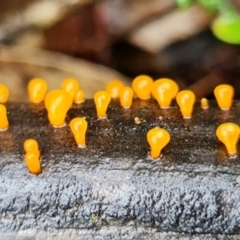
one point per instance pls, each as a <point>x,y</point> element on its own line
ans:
<point>112,184</point>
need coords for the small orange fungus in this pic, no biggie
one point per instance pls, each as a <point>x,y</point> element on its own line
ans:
<point>102,100</point>
<point>114,88</point>
<point>32,156</point>
<point>157,138</point>
<point>3,118</point>
<point>79,127</point>
<point>4,93</point>
<point>31,145</point>
<point>70,85</point>
<point>37,89</point>
<point>137,120</point>
<point>228,134</point>
<point>186,100</point>
<point>33,163</point>
<point>142,86</point>
<point>57,103</point>
<point>126,97</point>
<point>79,96</point>
<point>224,94</point>
<point>164,90</point>
<point>204,103</point>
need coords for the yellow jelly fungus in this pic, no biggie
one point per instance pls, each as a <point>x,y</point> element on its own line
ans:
<point>114,88</point>
<point>142,86</point>
<point>37,89</point>
<point>102,100</point>
<point>71,86</point>
<point>137,120</point>
<point>57,103</point>
<point>31,146</point>
<point>204,103</point>
<point>157,138</point>
<point>228,134</point>
<point>4,93</point>
<point>164,90</point>
<point>79,127</point>
<point>186,100</point>
<point>33,163</point>
<point>79,96</point>
<point>224,94</point>
<point>126,97</point>
<point>3,118</point>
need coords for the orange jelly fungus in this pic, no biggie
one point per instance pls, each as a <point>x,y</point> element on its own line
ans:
<point>137,120</point>
<point>33,163</point>
<point>102,100</point>
<point>224,94</point>
<point>126,97</point>
<point>3,118</point>
<point>37,89</point>
<point>157,138</point>
<point>4,93</point>
<point>31,145</point>
<point>79,127</point>
<point>71,86</point>
<point>186,100</point>
<point>204,103</point>
<point>142,86</point>
<point>57,103</point>
<point>79,96</point>
<point>114,88</point>
<point>228,134</point>
<point>164,90</point>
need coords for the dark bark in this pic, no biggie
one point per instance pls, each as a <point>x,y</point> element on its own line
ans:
<point>112,184</point>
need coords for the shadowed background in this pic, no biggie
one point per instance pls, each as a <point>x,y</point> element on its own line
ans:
<point>98,41</point>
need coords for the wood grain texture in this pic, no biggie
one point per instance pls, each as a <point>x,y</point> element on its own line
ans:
<point>112,187</point>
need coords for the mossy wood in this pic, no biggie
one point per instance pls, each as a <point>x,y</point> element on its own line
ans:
<point>112,185</point>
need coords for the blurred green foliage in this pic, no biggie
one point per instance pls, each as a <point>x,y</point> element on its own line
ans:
<point>226,25</point>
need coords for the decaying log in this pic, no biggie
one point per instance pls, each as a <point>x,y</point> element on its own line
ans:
<point>112,189</point>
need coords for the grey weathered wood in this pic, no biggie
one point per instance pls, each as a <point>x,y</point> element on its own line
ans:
<point>112,187</point>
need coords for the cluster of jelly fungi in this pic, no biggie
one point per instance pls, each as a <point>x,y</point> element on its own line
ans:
<point>164,90</point>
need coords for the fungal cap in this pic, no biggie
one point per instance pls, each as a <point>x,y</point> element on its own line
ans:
<point>57,103</point>
<point>79,96</point>
<point>37,89</point>
<point>186,100</point>
<point>137,120</point>
<point>4,93</point>
<point>114,88</point>
<point>79,127</point>
<point>157,138</point>
<point>33,163</point>
<point>70,85</point>
<point>126,97</point>
<point>164,90</point>
<point>142,86</point>
<point>4,124</point>
<point>204,103</point>
<point>224,94</point>
<point>228,134</point>
<point>31,145</point>
<point>102,100</point>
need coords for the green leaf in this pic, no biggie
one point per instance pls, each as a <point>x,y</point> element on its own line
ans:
<point>226,27</point>
<point>212,5</point>
<point>183,4</point>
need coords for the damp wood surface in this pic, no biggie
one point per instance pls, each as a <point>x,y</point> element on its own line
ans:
<point>194,188</point>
